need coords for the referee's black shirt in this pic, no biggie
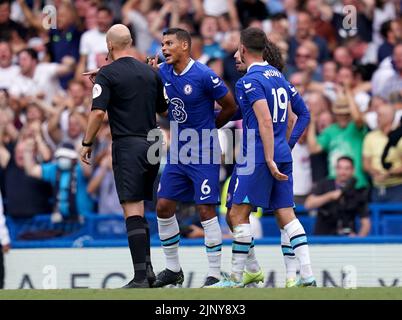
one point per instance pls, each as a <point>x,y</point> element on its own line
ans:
<point>131,92</point>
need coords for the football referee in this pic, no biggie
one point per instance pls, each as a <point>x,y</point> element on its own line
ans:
<point>132,93</point>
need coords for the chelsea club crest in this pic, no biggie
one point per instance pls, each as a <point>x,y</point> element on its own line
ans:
<point>188,89</point>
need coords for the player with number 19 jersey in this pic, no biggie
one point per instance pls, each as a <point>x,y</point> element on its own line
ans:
<point>191,98</point>
<point>260,188</point>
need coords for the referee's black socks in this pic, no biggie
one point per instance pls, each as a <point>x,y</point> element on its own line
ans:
<point>148,255</point>
<point>137,241</point>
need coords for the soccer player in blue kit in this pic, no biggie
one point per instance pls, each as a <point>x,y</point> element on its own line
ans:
<point>263,96</point>
<point>191,89</point>
<point>253,272</point>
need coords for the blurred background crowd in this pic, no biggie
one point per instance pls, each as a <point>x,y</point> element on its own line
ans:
<point>347,65</point>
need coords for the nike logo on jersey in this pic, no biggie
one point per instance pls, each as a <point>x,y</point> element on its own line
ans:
<point>247,85</point>
<point>293,89</point>
<point>167,84</point>
<point>216,80</point>
<point>203,198</point>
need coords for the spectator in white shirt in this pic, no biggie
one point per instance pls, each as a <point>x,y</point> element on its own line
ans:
<point>93,42</point>
<point>303,180</point>
<point>7,69</point>
<point>39,79</point>
<point>393,83</point>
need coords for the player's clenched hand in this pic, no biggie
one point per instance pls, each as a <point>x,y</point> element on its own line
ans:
<point>275,172</point>
<point>153,62</point>
<point>85,154</point>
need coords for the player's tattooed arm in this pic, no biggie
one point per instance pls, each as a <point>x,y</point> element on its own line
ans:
<point>229,108</point>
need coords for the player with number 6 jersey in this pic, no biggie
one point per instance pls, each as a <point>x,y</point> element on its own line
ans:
<point>191,174</point>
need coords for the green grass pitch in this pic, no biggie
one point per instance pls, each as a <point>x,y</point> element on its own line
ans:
<point>206,294</point>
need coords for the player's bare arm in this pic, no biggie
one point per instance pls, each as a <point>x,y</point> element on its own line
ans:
<point>229,108</point>
<point>265,127</point>
<point>291,122</point>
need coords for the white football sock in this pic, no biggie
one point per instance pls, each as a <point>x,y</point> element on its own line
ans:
<point>213,245</point>
<point>169,235</point>
<point>240,249</point>
<point>298,241</point>
<point>252,263</point>
<point>289,257</point>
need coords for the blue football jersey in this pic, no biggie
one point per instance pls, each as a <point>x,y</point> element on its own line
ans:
<point>191,98</point>
<point>263,81</point>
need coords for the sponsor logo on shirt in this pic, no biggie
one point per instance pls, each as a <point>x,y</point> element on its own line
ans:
<point>178,112</point>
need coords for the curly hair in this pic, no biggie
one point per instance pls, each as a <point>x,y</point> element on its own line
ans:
<point>272,54</point>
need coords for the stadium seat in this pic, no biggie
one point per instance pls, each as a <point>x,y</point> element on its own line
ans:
<point>270,228</point>
<point>392,224</point>
<point>112,226</point>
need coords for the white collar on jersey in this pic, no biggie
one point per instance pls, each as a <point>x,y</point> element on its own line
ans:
<point>264,63</point>
<point>189,65</point>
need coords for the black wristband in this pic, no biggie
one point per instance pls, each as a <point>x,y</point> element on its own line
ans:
<point>87,144</point>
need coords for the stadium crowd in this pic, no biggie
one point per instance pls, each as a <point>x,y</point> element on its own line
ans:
<point>347,67</point>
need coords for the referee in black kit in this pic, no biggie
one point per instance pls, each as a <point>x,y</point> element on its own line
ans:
<point>132,93</point>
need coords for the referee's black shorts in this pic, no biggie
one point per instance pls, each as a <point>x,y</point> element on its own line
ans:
<point>133,173</point>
